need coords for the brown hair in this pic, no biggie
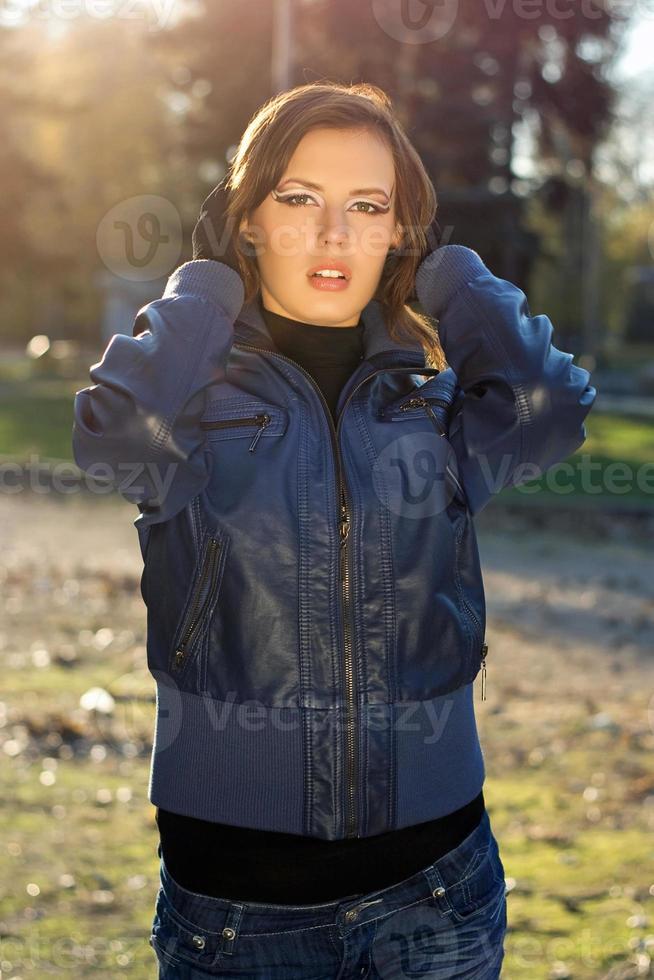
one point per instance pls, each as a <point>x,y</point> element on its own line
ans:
<point>265,149</point>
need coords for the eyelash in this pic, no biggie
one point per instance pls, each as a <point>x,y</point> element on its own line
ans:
<point>287,200</point>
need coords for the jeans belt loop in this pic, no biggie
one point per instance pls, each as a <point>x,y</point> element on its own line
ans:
<point>229,932</point>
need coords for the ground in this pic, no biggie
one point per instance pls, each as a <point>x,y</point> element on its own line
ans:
<point>567,732</point>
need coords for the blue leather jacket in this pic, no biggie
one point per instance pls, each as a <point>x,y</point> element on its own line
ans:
<point>315,604</point>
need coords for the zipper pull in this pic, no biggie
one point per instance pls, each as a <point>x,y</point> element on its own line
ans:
<point>345,521</point>
<point>432,415</point>
<point>264,420</point>
<point>421,401</point>
<point>412,403</point>
<point>484,651</point>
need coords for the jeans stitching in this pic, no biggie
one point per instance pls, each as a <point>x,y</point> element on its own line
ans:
<point>385,915</point>
<point>171,912</point>
<point>162,953</point>
<point>284,932</point>
<point>464,917</point>
<point>339,952</point>
<point>371,946</point>
<point>484,850</point>
<point>328,925</point>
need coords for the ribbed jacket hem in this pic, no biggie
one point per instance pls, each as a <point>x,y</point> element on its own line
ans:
<point>223,761</point>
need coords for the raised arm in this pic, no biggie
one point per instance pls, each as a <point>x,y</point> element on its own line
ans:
<point>140,418</point>
<point>522,401</point>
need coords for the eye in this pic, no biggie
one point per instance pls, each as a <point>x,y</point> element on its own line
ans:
<point>375,209</point>
<point>293,201</point>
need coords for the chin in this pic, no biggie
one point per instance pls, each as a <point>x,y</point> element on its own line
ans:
<point>330,313</point>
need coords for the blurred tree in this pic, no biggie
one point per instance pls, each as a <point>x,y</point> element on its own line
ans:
<point>218,60</point>
<point>505,108</point>
<point>21,174</point>
<point>97,127</point>
<point>499,103</point>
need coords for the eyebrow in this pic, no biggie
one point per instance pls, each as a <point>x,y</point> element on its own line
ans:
<point>317,187</point>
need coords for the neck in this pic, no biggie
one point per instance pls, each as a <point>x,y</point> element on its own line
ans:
<point>287,316</point>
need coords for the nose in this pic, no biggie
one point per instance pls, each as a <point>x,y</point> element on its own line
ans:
<point>334,229</point>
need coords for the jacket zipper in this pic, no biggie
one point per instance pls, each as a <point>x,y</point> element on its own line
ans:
<point>209,569</point>
<point>261,420</point>
<point>344,530</point>
<point>350,694</point>
<point>419,401</point>
<point>484,651</point>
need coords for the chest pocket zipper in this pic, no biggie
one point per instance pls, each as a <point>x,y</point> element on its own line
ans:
<point>204,592</point>
<point>262,420</point>
<point>425,403</point>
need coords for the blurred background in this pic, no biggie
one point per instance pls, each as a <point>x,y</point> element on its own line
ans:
<point>536,123</point>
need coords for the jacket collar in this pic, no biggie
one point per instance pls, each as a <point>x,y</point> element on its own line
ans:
<point>250,327</point>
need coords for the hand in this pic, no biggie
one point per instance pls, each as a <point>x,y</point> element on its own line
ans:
<point>442,273</point>
<point>212,238</point>
<point>434,236</point>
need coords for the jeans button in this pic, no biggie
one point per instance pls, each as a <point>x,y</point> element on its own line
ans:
<point>228,932</point>
<point>437,892</point>
<point>198,942</point>
<point>351,915</point>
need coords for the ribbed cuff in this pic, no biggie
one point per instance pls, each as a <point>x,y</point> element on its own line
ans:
<point>443,272</point>
<point>212,281</point>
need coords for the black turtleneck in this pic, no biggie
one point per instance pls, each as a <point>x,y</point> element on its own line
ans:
<point>265,866</point>
<point>329,354</point>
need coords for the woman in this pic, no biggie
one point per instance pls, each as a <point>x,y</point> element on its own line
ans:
<point>307,469</point>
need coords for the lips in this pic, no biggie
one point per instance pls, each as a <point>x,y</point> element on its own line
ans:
<point>331,264</point>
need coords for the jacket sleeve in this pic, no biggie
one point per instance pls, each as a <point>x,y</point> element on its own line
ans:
<point>137,427</point>
<point>521,401</point>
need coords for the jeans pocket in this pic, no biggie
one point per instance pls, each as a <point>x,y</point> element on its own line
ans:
<point>481,890</point>
<point>177,941</point>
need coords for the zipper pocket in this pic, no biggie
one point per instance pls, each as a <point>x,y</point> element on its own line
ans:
<point>203,594</point>
<point>484,651</point>
<point>262,420</point>
<point>480,651</point>
<point>418,403</point>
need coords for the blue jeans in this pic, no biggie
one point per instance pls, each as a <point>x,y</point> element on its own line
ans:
<point>447,920</point>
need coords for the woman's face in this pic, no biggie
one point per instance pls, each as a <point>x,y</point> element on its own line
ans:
<point>335,201</point>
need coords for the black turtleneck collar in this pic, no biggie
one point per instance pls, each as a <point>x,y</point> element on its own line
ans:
<point>329,354</point>
<point>313,343</point>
